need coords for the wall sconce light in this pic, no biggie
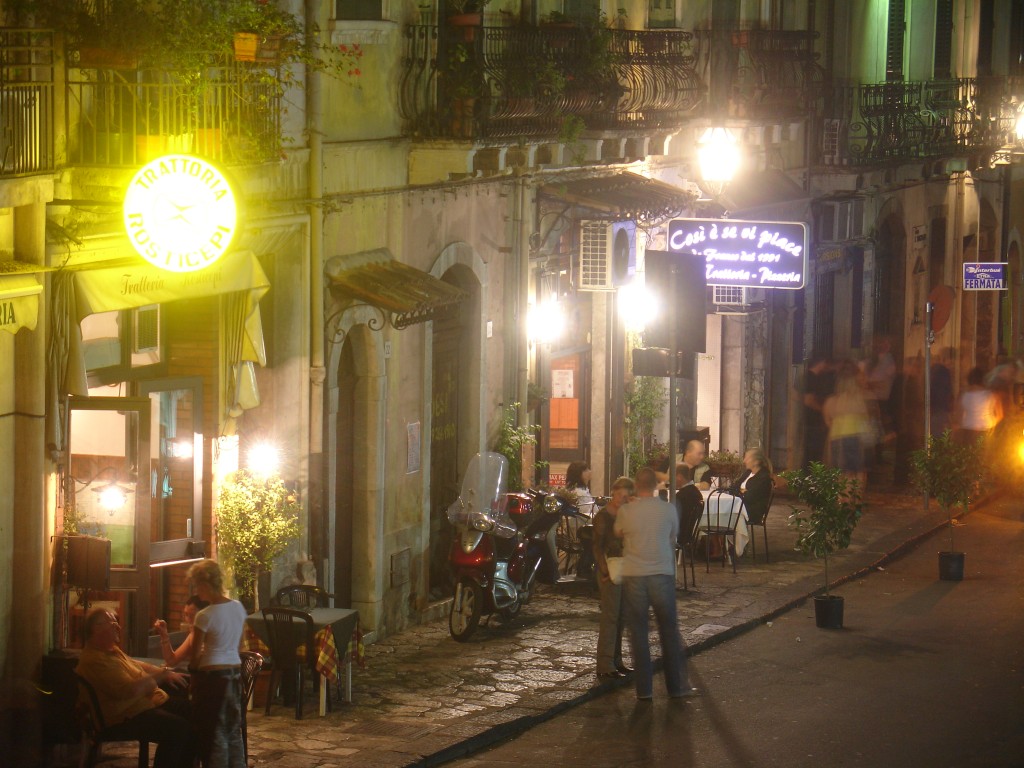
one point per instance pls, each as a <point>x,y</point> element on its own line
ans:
<point>263,459</point>
<point>637,306</point>
<point>545,322</point>
<point>718,157</point>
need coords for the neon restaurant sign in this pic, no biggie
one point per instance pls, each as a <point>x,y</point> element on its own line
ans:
<point>751,254</point>
<point>180,213</point>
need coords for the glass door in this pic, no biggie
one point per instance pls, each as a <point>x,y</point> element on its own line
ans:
<point>176,485</point>
<point>108,493</point>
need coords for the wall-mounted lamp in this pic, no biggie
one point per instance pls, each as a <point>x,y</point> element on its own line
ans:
<point>638,306</point>
<point>263,459</point>
<point>718,158</point>
<point>545,322</point>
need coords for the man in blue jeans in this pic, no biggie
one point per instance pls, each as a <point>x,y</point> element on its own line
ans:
<point>649,528</point>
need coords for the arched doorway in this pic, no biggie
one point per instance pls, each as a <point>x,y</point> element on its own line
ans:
<point>344,467</point>
<point>455,375</point>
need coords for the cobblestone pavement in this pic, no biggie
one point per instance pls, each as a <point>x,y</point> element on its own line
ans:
<point>424,698</point>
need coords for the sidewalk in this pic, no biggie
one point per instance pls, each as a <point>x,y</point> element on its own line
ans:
<point>424,699</point>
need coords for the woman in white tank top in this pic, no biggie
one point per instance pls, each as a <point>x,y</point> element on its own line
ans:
<point>216,665</point>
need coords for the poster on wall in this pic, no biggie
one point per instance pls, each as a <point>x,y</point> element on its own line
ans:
<point>562,383</point>
<point>412,450</point>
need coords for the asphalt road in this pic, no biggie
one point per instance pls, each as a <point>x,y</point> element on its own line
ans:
<point>925,673</point>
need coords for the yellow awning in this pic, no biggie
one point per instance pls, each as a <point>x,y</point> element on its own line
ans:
<point>19,302</point>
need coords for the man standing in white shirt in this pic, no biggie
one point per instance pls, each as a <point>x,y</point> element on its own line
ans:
<point>649,528</point>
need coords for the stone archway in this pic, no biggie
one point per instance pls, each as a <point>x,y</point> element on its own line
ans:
<point>454,402</point>
<point>355,422</point>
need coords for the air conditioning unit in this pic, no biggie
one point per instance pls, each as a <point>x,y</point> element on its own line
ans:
<point>729,296</point>
<point>735,300</point>
<point>608,254</point>
<point>146,329</point>
<point>841,220</point>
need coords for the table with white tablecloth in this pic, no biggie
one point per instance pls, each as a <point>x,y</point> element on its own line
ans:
<point>713,516</point>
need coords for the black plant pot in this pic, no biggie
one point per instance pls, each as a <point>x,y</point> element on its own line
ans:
<point>951,566</point>
<point>828,611</point>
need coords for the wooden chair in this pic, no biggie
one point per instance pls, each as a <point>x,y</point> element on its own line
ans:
<point>302,596</point>
<point>94,728</point>
<point>252,662</point>
<point>730,510</point>
<point>761,519</point>
<point>690,505</point>
<point>288,630</point>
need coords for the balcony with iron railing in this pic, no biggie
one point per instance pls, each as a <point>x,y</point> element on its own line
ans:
<point>26,101</point>
<point>116,116</point>
<point>773,74</point>
<point>501,83</point>
<point>916,120</point>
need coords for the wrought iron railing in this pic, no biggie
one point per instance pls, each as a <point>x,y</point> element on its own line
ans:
<point>892,121</point>
<point>117,116</point>
<point>774,74</point>
<point>26,101</point>
<point>508,82</point>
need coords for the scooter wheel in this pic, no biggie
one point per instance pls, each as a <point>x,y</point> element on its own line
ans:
<point>467,606</point>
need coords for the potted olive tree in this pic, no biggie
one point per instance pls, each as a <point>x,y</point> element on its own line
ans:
<point>825,526</point>
<point>948,471</point>
<point>257,517</point>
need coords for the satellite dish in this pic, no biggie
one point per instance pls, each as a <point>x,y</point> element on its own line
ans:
<point>941,297</point>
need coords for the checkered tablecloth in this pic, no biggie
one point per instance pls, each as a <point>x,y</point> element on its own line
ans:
<point>328,661</point>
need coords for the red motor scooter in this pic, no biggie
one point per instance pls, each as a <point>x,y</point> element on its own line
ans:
<point>500,544</point>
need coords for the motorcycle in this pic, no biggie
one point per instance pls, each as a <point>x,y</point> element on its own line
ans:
<point>500,544</point>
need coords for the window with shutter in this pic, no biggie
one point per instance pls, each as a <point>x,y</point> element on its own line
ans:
<point>942,66</point>
<point>894,40</point>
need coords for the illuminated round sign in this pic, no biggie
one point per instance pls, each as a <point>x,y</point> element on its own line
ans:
<point>180,213</point>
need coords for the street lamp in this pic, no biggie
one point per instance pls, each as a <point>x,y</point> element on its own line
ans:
<point>545,321</point>
<point>718,158</point>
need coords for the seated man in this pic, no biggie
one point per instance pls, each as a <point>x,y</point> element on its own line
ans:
<point>693,457</point>
<point>129,694</point>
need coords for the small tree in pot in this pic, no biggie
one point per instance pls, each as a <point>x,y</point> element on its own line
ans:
<point>257,517</point>
<point>948,471</point>
<point>826,526</point>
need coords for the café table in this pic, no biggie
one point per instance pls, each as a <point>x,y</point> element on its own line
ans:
<point>334,628</point>
<point>713,517</point>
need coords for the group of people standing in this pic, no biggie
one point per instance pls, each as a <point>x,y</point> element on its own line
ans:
<point>187,716</point>
<point>852,410</point>
<point>636,536</point>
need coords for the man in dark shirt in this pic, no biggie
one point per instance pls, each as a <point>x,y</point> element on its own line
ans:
<point>819,385</point>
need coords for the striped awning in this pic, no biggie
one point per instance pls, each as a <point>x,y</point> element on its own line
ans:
<point>405,294</point>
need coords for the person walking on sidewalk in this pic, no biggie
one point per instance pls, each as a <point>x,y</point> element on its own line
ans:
<point>608,556</point>
<point>649,528</point>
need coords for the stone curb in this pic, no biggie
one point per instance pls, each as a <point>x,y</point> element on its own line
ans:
<point>504,731</point>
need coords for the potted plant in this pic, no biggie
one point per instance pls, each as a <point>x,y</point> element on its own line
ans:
<point>725,463</point>
<point>464,84</point>
<point>257,517</point>
<point>512,442</point>
<point>825,526</point>
<point>465,16</point>
<point>947,470</point>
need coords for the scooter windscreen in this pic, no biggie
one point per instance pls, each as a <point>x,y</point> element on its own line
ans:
<point>481,504</point>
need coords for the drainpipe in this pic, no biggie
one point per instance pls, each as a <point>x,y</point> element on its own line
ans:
<point>317,372</point>
<point>522,251</point>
